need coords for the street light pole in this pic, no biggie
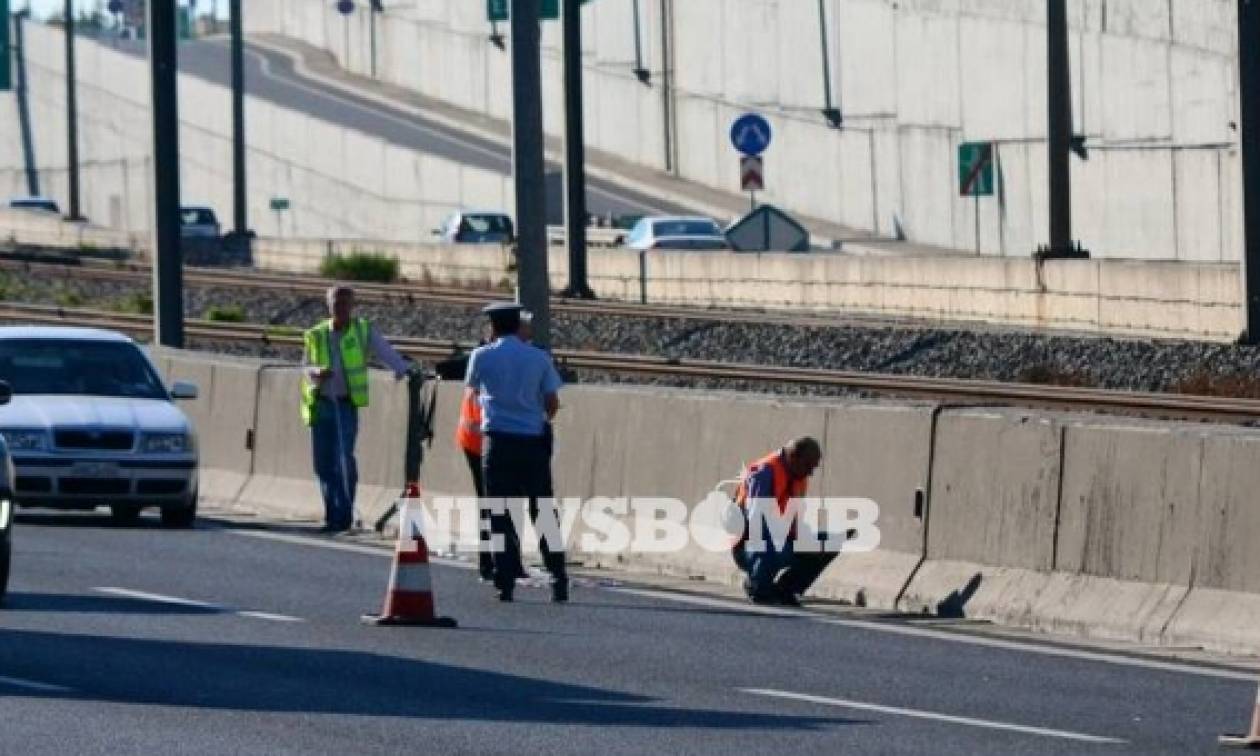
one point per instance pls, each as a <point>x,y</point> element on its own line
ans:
<point>1059,127</point>
<point>575,152</point>
<point>168,280</point>
<point>1249,137</point>
<point>239,198</point>
<point>72,116</point>
<point>527,158</point>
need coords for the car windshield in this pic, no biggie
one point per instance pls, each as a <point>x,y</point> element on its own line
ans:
<point>686,228</point>
<point>488,224</point>
<point>66,366</point>
<point>196,216</point>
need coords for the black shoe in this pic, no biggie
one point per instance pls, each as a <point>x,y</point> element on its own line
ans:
<point>789,599</point>
<point>505,594</point>
<point>560,591</point>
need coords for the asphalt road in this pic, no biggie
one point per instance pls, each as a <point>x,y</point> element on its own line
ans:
<point>271,77</point>
<point>266,654</point>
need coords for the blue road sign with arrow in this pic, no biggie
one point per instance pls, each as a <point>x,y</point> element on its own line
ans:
<point>750,134</point>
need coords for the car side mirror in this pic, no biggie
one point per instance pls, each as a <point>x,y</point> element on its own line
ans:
<point>6,392</point>
<point>184,390</point>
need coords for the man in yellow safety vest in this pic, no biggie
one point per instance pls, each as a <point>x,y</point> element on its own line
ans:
<point>334,388</point>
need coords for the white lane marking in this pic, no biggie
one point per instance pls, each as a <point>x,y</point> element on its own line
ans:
<point>893,628</point>
<point>934,716</point>
<point>157,597</point>
<point>18,682</point>
<point>176,601</point>
<point>270,617</point>
<point>505,159</point>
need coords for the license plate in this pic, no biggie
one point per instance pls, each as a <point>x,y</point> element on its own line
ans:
<point>95,469</point>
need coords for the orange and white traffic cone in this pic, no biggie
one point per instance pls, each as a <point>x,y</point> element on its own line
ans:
<point>1252,739</point>
<point>409,596</point>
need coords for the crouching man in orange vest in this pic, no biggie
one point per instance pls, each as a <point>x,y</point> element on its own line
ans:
<point>777,574</point>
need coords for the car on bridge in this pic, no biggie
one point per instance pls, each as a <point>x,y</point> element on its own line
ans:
<point>91,424</point>
<point>35,204</point>
<point>476,227</point>
<point>198,223</point>
<point>6,503</point>
<point>676,233</point>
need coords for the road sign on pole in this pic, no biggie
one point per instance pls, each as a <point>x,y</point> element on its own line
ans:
<point>500,10</point>
<point>751,174</point>
<point>975,169</point>
<point>750,134</point>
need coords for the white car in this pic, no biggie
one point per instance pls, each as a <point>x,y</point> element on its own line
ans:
<point>91,424</point>
<point>677,233</point>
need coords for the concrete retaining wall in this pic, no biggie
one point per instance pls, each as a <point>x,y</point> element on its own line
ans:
<point>1109,528</point>
<point>1174,300</point>
<point>1154,90</point>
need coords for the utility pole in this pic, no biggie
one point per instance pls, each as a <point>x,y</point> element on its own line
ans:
<point>240,205</point>
<point>1249,126</point>
<point>527,157</point>
<point>1060,128</point>
<point>72,117</point>
<point>575,152</point>
<point>168,274</point>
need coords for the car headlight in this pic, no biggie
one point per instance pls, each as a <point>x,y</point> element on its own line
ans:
<point>167,443</point>
<point>25,440</point>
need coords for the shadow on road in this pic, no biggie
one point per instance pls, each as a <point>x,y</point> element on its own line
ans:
<point>325,681</point>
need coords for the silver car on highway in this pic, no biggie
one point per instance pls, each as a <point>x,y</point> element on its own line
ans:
<point>91,424</point>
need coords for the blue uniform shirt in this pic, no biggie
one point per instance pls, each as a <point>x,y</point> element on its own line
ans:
<point>512,378</point>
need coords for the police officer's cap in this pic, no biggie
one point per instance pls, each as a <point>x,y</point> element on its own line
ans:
<point>503,313</point>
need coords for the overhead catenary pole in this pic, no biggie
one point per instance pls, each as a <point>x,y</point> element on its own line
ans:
<point>240,207</point>
<point>1059,132</point>
<point>574,152</point>
<point>1249,126</point>
<point>72,116</point>
<point>528,167</point>
<point>168,283</point>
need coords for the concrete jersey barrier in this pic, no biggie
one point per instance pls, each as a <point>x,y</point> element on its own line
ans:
<point>1105,527</point>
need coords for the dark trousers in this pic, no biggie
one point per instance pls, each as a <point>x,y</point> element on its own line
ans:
<point>485,565</point>
<point>787,571</point>
<point>518,467</point>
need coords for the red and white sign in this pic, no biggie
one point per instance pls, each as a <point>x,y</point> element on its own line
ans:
<point>751,176</point>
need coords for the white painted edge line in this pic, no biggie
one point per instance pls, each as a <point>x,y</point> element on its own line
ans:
<point>270,617</point>
<point>176,601</point>
<point>353,548</point>
<point>300,69</point>
<point>40,687</point>
<point>1030,647</point>
<point>156,597</point>
<point>934,716</point>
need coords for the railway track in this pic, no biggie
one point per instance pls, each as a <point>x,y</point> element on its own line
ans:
<point>956,392</point>
<point>315,286</point>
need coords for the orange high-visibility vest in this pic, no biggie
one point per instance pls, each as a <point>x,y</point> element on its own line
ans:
<point>468,432</point>
<point>785,488</point>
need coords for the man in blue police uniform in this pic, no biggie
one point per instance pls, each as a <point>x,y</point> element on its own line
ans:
<point>517,386</point>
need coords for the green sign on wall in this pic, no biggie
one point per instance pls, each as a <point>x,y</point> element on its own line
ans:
<point>975,169</point>
<point>6,50</point>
